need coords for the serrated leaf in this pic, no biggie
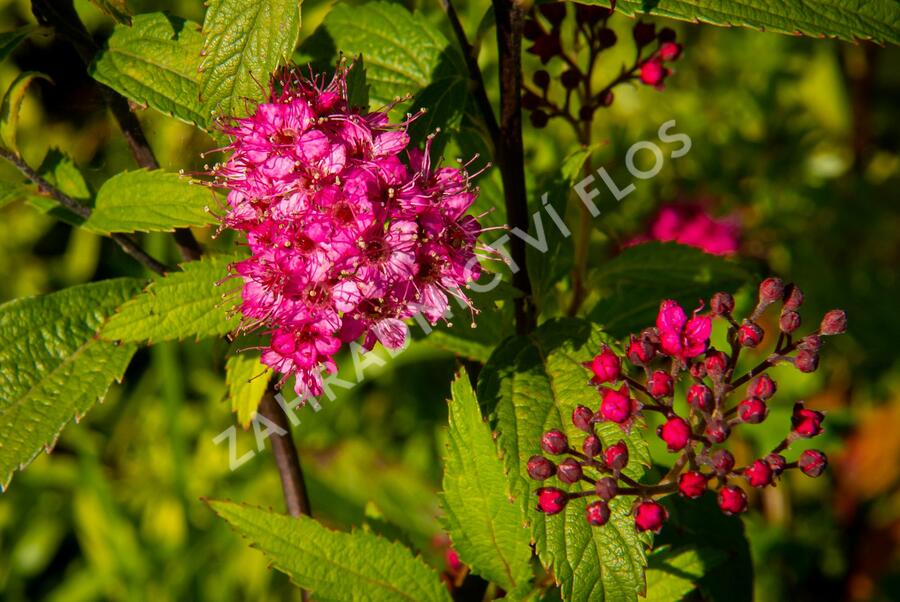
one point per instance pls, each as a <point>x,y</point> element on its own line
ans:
<point>333,565</point>
<point>58,169</point>
<point>877,20</point>
<point>533,383</point>
<point>672,573</point>
<point>187,303</point>
<point>52,367</point>
<point>635,282</point>
<point>117,9</point>
<point>155,62</point>
<point>357,87</point>
<point>246,379</point>
<point>148,201</point>
<point>243,44</point>
<point>10,40</point>
<point>12,102</point>
<point>488,530</point>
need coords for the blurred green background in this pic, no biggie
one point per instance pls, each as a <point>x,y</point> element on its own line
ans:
<point>795,138</point>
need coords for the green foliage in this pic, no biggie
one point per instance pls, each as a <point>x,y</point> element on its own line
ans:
<point>155,62</point>
<point>149,201</point>
<point>242,45</point>
<point>187,303</point>
<point>12,102</point>
<point>52,367</point>
<point>533,383</point>
<point>357,86</point>
<point>487,528</point>
<point>636,281</point>
<point>333,565</point>
<point>10,40</point>
<point>117,9</point>
<point>673,573</point>
<point>246,379</point>
<point>877,20</point>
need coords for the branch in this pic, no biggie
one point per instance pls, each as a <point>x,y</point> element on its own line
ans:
<point>286,457</point>
<point>127,243</point>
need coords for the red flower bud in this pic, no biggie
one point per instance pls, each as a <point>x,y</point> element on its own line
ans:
<point>834,322</point>
<point>605,366</point>
<point>793,297</point>
<point>650,516</point>
<point>569,471</point>
<point>812,462</point>
<point>640,351</point>
<point>717,430</point>
<point>652,72</point>
<point>716,363</point>
<point>607,488</point>
<point>758,474</point>
<point>763,387</point>
<point>616,456</point>
<point>669,51</point>
<point>540,468</point>
<point>551,500</point>
<point>660,384</point>
<point>752,410</point>
<point>806,360</point>
<point>676,432</point>
<point>750,334</point>
<point>606,38</point>
<point>592,446</point>
<point>721,304</point>
<point>700,397</point>
<point>776,462</point>
<point>805,422</point>
<point>732,500</point>
<point>597,513</point>
<point>812,342</point>
<point>698,370</point>
<point>789,321</point>
<point>582,418</point>
<point>771,290</point>
<point>723,461</point>
<point>692,484</point>
<point>554,442</point>
<point>616,406</point>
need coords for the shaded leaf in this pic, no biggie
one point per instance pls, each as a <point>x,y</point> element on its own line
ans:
<point>117,9</point>
<point>10,40</point>
<point>672,573</point>
<point>12,102</point>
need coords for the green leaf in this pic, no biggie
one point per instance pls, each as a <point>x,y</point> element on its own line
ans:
<point>488,530</point>
<point>11,192</point>
<point>52,367</point>
<point>635,282</point>
<point>58,169</point>
<point>877,20</point>
<point>149,201</point>
<point>117,9</point>
<point>357,87</point>
<point>190,302</point>
<point>12,102</point>
<point>333,565</point>
<point>10,40</point>
<point>243,44</point>
<point>533,383</point>
<point>155,62</point>
<point>246,378</point>
<point>672,573</point>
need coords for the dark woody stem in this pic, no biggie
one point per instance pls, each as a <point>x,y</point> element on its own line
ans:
<point>286,457</point>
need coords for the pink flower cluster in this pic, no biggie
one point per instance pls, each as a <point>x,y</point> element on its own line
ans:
<point>690,224</point>
<point>346,238</point>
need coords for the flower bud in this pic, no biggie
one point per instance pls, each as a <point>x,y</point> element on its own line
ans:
<point>551,500</point>
<point>607,488</point>
<point>541,79</point>
<point>716,363</point>
<point>660,384</point>
<point>616,456</point>
<point>569,471</point>
<point>805,422</point>
<point>692,484</point>
<point>834,322</point>
<point>570,79</point>
<point>698,370</point>
<point>606,98</point>
<point>763,387</point>
<point>669,51</point>
<point>539,119</point>
<point>717,430</point>
<point>806,361</point>
<point>770,290</point>
<point>640,351</point>
<point>752,410</point>
<point>676,432</point>
<point>592,446</point>
<point>540,468</point>
<point>652,72</point>
<point>722,461</point>
<point>554,12</point>
<point>700,397</point>
<point>789,321</point>
<point>616,406</point>
<point>776,462</point>
<point>732,500</point>
<point>582,418</point>
<point>793,297</point>
<point>812,342</point>
<point>532,30</point>
<point>721,304</point>
<point>650,516</point>
<point>606,366</point>
<point>590,14</point>
<point>758,474</point>
<point>606,38</point>
<point>644,33</point>
<point>812,462</point>
<point>531,101</point>
<point>666,34</point>
<point>750,334</point>
<point>554,442</point>
<point>597,513</point>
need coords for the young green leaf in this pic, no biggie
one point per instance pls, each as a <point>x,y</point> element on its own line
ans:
<point>149,201</point>
<point>333,565</point>
<point>187,303</point>
<point>246,378</point>
<point>12,102</point>
<point>155,62</point>
<point>52,366</point>
<point>877,20</point>
<point>533,383</point>
<point>487,528</point>
<point>243,43</point>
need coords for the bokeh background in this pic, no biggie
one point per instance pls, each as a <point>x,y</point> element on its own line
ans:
<point>795,141</point>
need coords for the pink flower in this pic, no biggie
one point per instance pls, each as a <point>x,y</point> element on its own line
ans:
<point>678,336</point>
<point>690,224</point>
<point>346,239</point>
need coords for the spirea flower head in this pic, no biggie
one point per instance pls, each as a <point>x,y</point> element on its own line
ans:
<point>350,231</point>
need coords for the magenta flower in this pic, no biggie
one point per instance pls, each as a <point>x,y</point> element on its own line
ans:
<point>690,224</point>
<point>347,239</point>
<point>678,336</point>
